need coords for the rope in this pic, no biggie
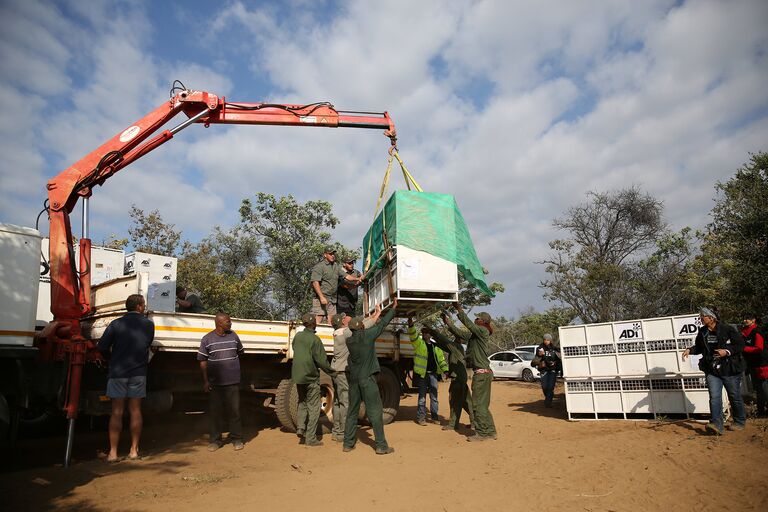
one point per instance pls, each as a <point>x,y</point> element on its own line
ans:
<point>409,181</point>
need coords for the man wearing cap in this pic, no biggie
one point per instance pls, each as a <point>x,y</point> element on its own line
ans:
<point>308,357</point>
<point>347,294</point>
<point>477,358</point>
<point>546,361</point>
<point>721,347</point>
<point>362,370</point>
<point>325,284</point>
<point>458,392</point>
<point>339,363</point>
<point>429,365</point>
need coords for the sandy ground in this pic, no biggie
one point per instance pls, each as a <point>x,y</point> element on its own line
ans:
<point>541,461</point>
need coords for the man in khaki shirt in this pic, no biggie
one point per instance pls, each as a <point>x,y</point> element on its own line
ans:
<point>325,284</point>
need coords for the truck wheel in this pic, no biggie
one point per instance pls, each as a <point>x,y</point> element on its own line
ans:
<point>389,389</point>
<point>287,404</point>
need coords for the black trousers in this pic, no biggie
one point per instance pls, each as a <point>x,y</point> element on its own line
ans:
<point>224,402</point>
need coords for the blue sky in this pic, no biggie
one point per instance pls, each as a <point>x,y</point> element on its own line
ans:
<point>516,108</point>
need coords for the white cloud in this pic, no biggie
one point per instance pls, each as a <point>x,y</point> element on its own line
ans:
<point>516,108</point>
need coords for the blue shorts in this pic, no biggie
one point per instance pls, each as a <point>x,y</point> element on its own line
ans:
<point>129,387</point>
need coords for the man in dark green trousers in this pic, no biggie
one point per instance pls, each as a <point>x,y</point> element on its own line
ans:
<point>308,357</point>
<point>458,392</point>
<point>477,358</point>
<point>363,367</point>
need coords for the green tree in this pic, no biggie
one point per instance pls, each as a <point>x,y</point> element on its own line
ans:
<point>658,284</point>
<point>589,271</point>
<point>225,269</point>
<point>150,234</point>
<point>292,235</point>
<point>531,327</point>
<point>732,270</point>
<point>471,296</point>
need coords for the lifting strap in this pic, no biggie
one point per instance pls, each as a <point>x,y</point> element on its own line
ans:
<point>409,181</point>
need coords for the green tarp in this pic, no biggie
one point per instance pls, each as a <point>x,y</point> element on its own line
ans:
<point>429,222</point>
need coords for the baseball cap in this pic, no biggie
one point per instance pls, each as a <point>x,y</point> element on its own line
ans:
<point>307,318</point>
<point>329,249</point>
<point>356,323</point>
<point>485,317</point>
<point>338,320</point>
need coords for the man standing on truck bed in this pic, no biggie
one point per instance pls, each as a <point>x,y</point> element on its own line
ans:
<point>363,368</point>
<point>127,340</point>
<point>477,359</point>
<point>325,284</point>
<point>346,301</point>
<point>187,302</point>
<point>308,358</point>
<point>219,357</point>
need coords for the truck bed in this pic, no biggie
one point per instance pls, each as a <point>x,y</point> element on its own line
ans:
<point>181,332</point>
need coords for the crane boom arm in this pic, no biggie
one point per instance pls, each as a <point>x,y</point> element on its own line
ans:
<point>70,288</point>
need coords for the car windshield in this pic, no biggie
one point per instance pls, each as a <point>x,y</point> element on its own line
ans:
<point>525,356</point>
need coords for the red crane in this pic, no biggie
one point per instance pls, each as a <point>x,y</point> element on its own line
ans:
<point>71,289</point>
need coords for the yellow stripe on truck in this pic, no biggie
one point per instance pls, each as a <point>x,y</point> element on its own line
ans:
<point>174,328</point>
<point>17,333</point>
<point>204,329</point>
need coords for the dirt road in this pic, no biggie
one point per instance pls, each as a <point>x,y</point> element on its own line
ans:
<point>541,461</point>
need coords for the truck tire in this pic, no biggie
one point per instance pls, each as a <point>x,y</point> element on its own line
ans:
<point>287,404</point>
<point>389,389</point>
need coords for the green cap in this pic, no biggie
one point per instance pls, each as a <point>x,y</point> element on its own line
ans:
<point>356,323</point>
<point>338,320</point>
<point>485,317</point>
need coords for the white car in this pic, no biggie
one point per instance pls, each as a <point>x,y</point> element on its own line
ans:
<point>513,365</point>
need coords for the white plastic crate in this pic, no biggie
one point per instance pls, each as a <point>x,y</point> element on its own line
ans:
<point>636,398</point>
<point>634,348</point>
<point>418,279</point>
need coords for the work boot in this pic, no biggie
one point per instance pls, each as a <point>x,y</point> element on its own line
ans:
<point>314,442</point>
<point>712,429</point>
<point>212,447</point>
<point>735,426</point>
<point>422,422</point>
<point>447,427</point>
<point>478,437</point>
<point>348,448</point>
<point>338,438</point>
<point>238,445</point>
<point>385,451</point>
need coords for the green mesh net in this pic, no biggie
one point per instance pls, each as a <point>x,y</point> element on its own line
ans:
<point>429,222</point>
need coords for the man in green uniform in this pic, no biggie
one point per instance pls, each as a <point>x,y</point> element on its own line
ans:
<point>477,359</point>
<point>308,356</point>
<point>362,370</point>
<point>339,363</point>
<point>324,280</point>
<point>458,391</point>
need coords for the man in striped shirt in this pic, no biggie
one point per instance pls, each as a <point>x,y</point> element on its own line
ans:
<point>219,357</point>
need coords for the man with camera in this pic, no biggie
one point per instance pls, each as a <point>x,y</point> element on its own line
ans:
<point>546,361</point>
<point>720,346</point>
